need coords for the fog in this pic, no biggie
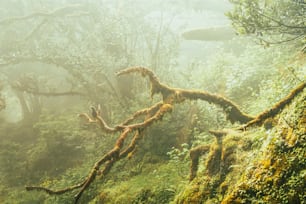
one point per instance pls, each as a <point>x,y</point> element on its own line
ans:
<point>35,33</point>
<point>78,76</point>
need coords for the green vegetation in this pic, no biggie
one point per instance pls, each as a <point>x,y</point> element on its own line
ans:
<point>272,22</point>
<point>176,132</point>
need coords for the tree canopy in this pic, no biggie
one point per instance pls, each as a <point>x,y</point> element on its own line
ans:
<point>272,22</point>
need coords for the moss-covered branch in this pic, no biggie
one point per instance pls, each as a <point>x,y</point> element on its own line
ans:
<point>271,112</point>
<point>103,166</point>
<point>213,163</point>
<point>155,113</point>
<point>176,95</point>
<point>144,112</point>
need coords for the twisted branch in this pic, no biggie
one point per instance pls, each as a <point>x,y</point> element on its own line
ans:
<point>115,154</point>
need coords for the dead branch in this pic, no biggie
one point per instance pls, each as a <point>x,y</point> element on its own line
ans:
<point>156,85</point>
<point>97,118</point>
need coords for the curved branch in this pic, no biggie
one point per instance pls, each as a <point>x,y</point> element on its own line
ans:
<point>156,85</point>
<point>101,122</point>
<point>175,95</point>
<point>147,111</point>
<point>260,118</point>
<point>97,118</point>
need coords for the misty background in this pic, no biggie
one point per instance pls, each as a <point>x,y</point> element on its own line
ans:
<point>60,57</point>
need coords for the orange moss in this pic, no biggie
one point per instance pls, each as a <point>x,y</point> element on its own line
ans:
<point>266,163</point>
<point>166,108</point>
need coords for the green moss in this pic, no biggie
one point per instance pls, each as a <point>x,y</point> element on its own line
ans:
<point>258,166</point>
<point>278,175</point>
<point>156,184</point>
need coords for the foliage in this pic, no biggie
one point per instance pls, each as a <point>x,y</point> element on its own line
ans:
<point>163,179</point>
<point>177,155</point>
<point>248,75</point>
<point>179,158</point>
<point>58,145</point>
<point>271,21</point>
<point>259,166</point>
<point>277,175</point>
<point>12,156</point>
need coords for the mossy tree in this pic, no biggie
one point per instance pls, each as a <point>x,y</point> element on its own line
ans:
<point>170,97</point>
